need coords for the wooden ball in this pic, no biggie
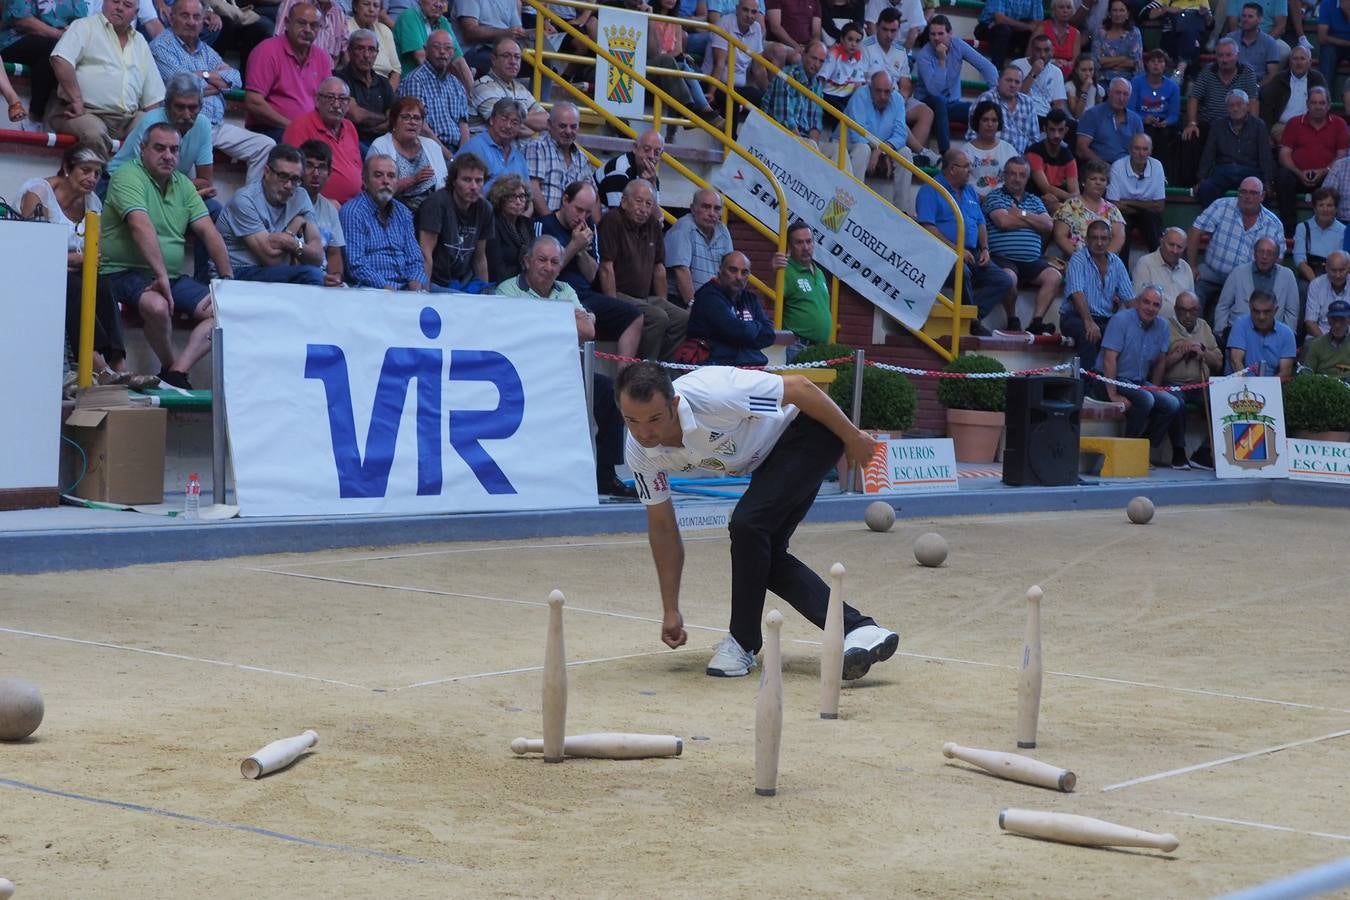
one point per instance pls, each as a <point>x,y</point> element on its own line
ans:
<point>1140,510</point>
<point>6,889</point>
<point>930,549</point>
<point>21,709</point>
<point>880,516</point>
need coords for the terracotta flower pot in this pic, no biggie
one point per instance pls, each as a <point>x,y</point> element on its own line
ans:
<point>975,433</point>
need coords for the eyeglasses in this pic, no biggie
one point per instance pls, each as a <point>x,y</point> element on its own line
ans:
<point>410,117</point>
<point>523,195</point>
<point>286,179</point>
<point>333,98</point>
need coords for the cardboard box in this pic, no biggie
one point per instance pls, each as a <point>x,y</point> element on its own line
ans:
<point>125,449</point>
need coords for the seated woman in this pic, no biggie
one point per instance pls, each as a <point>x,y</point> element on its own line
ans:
<point>1117,46</point>
<point>421,165</point>
<point>64,199</point>
<point>1066,41</point>
<point>1317,238</point>
<point>987,152</point>
<point>513,229</point>
<point>1075,214</point>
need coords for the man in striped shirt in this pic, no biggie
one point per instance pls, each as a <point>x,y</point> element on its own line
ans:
<point>1018,225</point>
<point>382,249</point>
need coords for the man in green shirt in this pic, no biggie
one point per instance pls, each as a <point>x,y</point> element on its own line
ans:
<point>806,296</point>
<point>148,211</point>
<point>1329,354</point>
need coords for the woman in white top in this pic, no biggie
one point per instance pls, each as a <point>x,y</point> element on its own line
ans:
<point>987,152</point>
<point>64,199</point>
<point>421,165</point>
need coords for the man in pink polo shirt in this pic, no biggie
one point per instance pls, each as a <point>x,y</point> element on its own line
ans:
<point>284,74</point>
<point>328,123</point>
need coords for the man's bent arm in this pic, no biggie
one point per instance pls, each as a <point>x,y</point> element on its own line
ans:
<point>815,403</point>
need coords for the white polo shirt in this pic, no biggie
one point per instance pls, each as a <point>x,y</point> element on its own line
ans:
<point>1126,185</point>
<point>731,419</point>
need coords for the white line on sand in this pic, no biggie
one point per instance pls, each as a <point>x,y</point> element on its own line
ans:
<point>439,593</point>
<point>579,662</point>
<point>1158,776</point>
<point>198,659</point>
<point>1322,834</point>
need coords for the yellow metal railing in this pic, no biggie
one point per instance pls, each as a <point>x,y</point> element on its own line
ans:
<point>88,289</point>
<point>542,14</point>
<point>732,98</point>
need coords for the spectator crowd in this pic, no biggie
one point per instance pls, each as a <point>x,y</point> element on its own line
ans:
<point>401,147</point>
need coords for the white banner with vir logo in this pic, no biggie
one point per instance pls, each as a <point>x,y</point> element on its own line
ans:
<point>362,401</point>
<point>860,238</point>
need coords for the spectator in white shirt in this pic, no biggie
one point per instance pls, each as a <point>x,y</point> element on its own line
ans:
<point>1138,188</point>
<point>1041,78</point>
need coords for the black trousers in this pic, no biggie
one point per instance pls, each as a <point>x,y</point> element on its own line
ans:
<point>35,52</point>
<point>781,491</point>
<point>608,424</point>
<point>108,338</point>
<point>1149,225</point>
<point>1004,42</point>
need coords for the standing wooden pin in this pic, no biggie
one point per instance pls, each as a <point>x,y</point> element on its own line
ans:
<point>1029,678</point>
<point>769,709</point>
<point>555,682</point>
<point>832,648</point>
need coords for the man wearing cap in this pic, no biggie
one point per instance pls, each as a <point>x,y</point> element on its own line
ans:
<point>1329,354</point>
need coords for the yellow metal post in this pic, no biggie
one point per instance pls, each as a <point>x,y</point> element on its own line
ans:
<point>88,289</point>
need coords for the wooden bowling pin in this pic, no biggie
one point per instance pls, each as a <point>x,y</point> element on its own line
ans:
<point>1070,829</point>
<point>609,745</point>
<point>555,682</point>
<point>832,647</point>
<point>769,709</point>
<point>1013,767</point>
<point>1029,675</point>
<point>278,754</point>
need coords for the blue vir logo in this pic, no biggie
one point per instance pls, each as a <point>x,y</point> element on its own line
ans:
<point>367,474</point>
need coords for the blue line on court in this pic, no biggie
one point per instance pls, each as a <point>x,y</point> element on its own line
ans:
<point>215,823</point>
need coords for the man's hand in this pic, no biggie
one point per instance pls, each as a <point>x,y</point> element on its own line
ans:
<point>282,242</point>
<point>1092,332</point>
<point>1190,131</point>
<point>673,634</point>
<point>74,109</point>
<point>780,261</point>
<point>859,448</point>
<point>940,51</point>
<point>331,280</point>
<point>982,258</point>
<point>581,236</point>
<point>1124,402</point>
<point>162,287</point>
<point>968,256</point>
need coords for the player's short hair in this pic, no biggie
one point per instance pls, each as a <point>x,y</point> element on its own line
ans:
<point>644,380</point>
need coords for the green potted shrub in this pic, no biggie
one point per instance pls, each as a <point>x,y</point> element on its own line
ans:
<point>974,407</point>
<point>1317,407</point>
<point>889,399</point>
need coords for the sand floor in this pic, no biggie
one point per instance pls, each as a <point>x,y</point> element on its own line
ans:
<point>1212,632</point>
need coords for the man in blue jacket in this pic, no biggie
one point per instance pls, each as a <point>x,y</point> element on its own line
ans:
<point>730,317</point>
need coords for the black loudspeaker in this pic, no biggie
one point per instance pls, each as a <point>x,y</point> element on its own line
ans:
<point>1042,433</point>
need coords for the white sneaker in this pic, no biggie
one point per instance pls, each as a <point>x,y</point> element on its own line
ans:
<point>1305,43</point>
<point>865,645</point>
<point>730,660</point>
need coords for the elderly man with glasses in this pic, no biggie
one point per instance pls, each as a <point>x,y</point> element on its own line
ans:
<point>329,123</point>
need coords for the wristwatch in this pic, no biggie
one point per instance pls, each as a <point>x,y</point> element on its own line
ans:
<point>1022,212</point>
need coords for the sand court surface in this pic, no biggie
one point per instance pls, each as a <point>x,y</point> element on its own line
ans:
<point>1196,681</point>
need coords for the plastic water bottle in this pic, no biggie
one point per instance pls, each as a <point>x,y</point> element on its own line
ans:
<point>192,497</point>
